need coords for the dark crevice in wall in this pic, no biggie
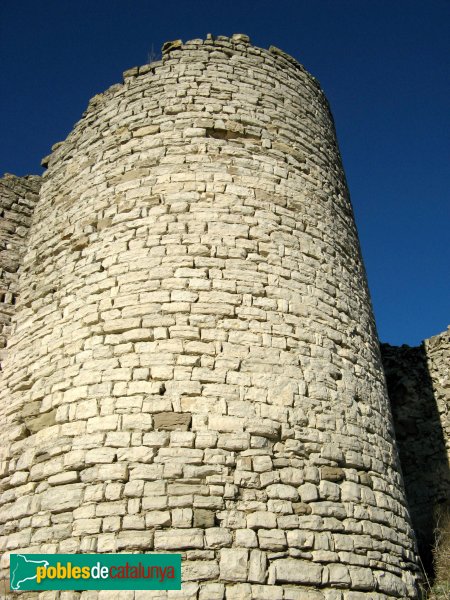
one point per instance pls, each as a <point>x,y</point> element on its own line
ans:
<point>420,440</point>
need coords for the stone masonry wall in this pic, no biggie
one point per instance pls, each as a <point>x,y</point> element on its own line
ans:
<point>419,389</point>
<point>18,196</point>
<point>194,365</point>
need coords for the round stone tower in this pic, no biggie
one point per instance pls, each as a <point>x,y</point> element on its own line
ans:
<point>193,365</point>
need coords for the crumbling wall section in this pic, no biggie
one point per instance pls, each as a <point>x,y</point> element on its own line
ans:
<point>418,381</point>
<point>18,197</point>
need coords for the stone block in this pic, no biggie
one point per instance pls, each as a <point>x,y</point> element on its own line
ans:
<point>217,537</point>
<point>338,575</point>
<point>257,566</point>
<point>179,539</point>
<point>261,519</point>
<point>204,518</point>
<point>134,540</point>
<point>272,539</point>
<point>361,578</point>
<point>308,492</point>
<point>332,473</point>
<point>172,421</point>
<point>61,499</point>
<point>290,570</point>
<point>233,564</point>
<point>200,570</point>
<point>212,591</point>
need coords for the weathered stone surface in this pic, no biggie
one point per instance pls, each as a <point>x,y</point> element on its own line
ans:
<point>171,421</point>
<point>233,564</point>
<point>178,539</point>
<point>257,566</point>
<point>297,571</point>
<point>332,473</point>
<point>59,499</point>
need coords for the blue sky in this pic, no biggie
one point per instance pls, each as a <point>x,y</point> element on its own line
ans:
<point>383,64</point>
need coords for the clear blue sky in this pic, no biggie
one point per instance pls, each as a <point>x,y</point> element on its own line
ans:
<point>383,64</point>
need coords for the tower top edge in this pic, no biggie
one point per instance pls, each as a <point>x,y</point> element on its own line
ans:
<point>237,41</point>
<point>172,50</point>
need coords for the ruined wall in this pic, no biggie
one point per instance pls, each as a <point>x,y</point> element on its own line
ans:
<point>419,389</point>
<point>194,365</point>
<point>18,196</point>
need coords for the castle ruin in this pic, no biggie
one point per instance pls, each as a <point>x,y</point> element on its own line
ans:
<point>190,362</point>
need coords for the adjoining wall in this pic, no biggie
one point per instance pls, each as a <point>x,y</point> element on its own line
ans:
<point>194,365</point>
<point>418,383</point>
<point>18,197</point>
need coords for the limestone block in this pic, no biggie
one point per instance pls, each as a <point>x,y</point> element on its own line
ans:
<point>134,540</point>
<point>309,594</point>
<point>332,473</point>
<point>263,464</point>
<point>261,519</point>
<point>200,570</point>
<point>329,509</point>
<point>233,564</point>
<point>212,591</point>
<point>329,490</point>
<point>389,584</point>
<point>178,539</point>
<point>109,472</point>
<point>217,537</point>
<point>239,591</point>
<point>361,578</point>
<point>300,539</point>
<point>86,526</point>
<point>100,455</point>
<point>140,422</point>
<point>172,421</point>
<point>64,478</point>
<point>41,422</point>
<point>288,521</point>
<point>60,499</point>
<point>282,491</point>
<point>237,441</point>
<point>204,518</point>
<point>182,517</point>
<point>272,539</point>
<point>157,518</point>
<point>350,492</point>
<point>246,538</point>
<point>291,570</point>
<point>338,575</point>
<point>266,592</point>
<point>257,566</point>
<point>308,492</point>
<point>291,476</point>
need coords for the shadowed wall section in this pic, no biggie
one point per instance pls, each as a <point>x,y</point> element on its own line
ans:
<point>18,196</point>
<point>419,389</point>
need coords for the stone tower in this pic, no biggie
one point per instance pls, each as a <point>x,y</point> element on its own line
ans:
<point>193,365</point>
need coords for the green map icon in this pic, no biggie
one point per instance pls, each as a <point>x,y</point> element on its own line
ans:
<point>23,570</point>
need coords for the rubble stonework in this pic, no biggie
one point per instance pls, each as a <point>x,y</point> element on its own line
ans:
<point>18,196</point>
<point>419,389</point>
<point>194,365</point>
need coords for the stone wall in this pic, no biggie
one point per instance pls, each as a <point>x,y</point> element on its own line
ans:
<point>18,196</point>
<point>194,365</point>
<point>419,389</point>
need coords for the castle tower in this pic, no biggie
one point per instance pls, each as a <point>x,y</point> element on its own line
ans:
<point>194,365</point>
